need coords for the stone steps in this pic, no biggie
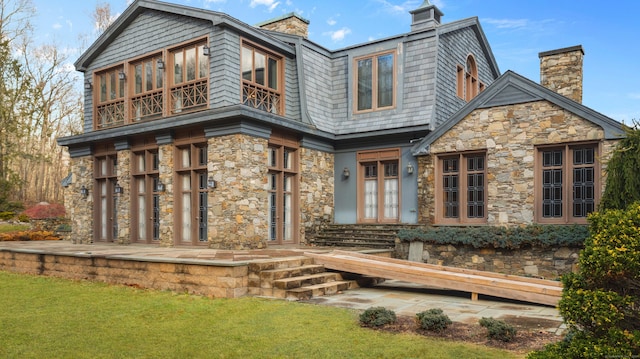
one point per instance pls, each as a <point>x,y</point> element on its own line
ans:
<point>376,236</point>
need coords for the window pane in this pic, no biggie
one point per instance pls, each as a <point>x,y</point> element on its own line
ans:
<point>273,73</point>
<point>365,83</point>
<point>159,82</point>
<point>148,75</point>
<point>247,64</point>
<point>385,80</point>
<point>177,67</point>
<point>103,88</point>
<point>203,63</point>
<point>191,64</point>
<point>137,73</point>
<point>259,68</point>
<point>112,86</point>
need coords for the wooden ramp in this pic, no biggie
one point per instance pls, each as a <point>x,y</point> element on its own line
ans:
<point>467,280</point>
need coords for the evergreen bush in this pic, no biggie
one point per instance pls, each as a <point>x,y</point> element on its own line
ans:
<point>434,320</point>
<point>377,317</point>
<point>499,330</point>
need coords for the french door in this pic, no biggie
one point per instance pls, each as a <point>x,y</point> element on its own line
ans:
<point>283,189</point>
<point>105,202</point>
<point>146,198</point>
<point>379,186</point>
<point>192,194</point>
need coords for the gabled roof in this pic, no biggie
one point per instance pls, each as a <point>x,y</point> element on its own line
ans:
<point>511,89</point>
<point>216,18</point>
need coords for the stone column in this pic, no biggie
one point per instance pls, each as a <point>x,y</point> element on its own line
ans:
<point>316,191</point>
<point>166,168</point>
<point>123,203</point>
<point>238,205</point>
<point>79,208</point>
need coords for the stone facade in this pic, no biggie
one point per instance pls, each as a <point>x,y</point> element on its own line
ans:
<point>509,135</point>
<point>561,71</point>
<point>80,209</point>
<point>547,263</point>
<point>316,191</point>
<point>165,174</point>
<point>123,201</point>
<point>238,206</point>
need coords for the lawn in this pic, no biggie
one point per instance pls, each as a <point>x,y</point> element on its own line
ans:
<point>54,318</point>
<point>7,227</point>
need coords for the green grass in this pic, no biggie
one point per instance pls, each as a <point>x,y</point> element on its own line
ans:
<point>6,227</point>
<point>54,318</point>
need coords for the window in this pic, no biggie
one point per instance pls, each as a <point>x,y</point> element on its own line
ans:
<point>109,100</point>
<point>467,83</point>
<point>374,82</point>
<point>189,75</point>
<point>379,186</point>
<point>145,195</point>
<point>462,188</point>
<point>261,79</point>
<point>567,183</point>
<point>147,99</point>
<point>105,201</point>
<point>192,193</point>
<point>283,188</point>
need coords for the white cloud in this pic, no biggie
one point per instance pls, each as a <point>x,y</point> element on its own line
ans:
<point>338,35</point>
<point>331,22</point>
<point>215,1</point>
<point>400,9</point>
<point>270,4</point>
<point>508,23</point>
<point>57,26</point>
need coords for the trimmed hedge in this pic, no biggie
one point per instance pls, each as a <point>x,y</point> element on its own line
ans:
<point>542,236</point>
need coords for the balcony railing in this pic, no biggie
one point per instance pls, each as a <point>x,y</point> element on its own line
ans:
<point>146,107</point>
<point>261,98</point>
<point>110,115</point>
<point>188,97</point>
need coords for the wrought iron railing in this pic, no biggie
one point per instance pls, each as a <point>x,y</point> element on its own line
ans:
<point>261,98</point>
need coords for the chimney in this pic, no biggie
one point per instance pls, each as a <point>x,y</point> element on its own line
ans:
<point>561,71</point>
<point>426,16</point>
<point>290,23</point>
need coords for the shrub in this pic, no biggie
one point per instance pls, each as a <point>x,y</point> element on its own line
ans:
<point>377,317</point>
<point>23,218</point>
<point>534,235</point>
<point>45,210</point>
<point>7,215</point>
<point>497,329</point>
<point>29,236</point>
<point>433,320</point>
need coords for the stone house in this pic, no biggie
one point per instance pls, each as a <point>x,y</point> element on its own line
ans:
<point>203,130</point>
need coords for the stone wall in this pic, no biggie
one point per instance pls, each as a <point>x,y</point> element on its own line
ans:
<point>289,24</point>
<point>547,263</point>
<point>238,206</point>
<point>165,174</point>
<point>316,191</point>
<point>561,71</point>
<point>509,136</point>
<point>79,208</point>
<point>123,200</point>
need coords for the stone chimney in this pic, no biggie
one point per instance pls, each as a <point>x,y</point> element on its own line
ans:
<point>426,16</point>
<point>561,71</point>
<point>290,23</point>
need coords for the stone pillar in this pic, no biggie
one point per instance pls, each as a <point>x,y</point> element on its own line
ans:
<point>165,153</point>
<point>79,208</point>
<point>561,71</point>
<point>316,191</point>
<point>238,205</point>
<point>123,203</point>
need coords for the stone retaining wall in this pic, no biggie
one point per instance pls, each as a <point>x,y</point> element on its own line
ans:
<point>547,263</point>
<point>219,281</point>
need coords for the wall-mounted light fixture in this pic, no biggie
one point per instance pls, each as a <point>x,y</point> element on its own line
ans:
<point>122,75</point>
<point>206,50</point>
<point>117,189</point>
<point>160,64</point>
<point>160,187</point>
<point>346,173</point>
<point>410,169</point>
<point>211,183</point>
<point>87,84</point>
<point>84,192</point>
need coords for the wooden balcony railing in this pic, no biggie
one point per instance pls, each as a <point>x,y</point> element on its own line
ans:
<point>110,115</point>
<point>147,106</point>
<point>261,98</point>
<point>190,96</point>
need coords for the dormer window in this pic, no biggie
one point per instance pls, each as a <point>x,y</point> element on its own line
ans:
<point>374,82</point>
<point>261,79</point>
<point>109,110</point>
<point>468,85</point>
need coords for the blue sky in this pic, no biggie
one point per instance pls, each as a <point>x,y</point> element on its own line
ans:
<point>517,31</point>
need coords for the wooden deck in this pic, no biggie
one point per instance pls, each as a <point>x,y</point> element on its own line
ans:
<point>475,282</point>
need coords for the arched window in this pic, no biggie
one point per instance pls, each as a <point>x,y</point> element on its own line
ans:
<point>468,84</point>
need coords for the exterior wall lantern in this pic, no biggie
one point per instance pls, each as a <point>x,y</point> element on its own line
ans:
<point>211,183</point>
<point>160,64</point>
<point>122,75</point>
<point>87,85</point>
<point>410,169</point>
<point>206,50</point>
<point>346,173</point>
<point>160,187</point>
<point>118,189</point>
<point>84,192</point>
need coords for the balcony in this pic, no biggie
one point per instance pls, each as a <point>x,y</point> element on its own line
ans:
<point>110,115</point>
<point>189,97</point>
<point>261,98</point>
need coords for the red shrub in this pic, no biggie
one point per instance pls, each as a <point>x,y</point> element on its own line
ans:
<point>45,210</point>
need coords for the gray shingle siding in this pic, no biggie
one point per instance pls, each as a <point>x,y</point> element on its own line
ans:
<point>291,90</point>
<point>225,69</point>
<point>454,47</point>
<point>318,88</point>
